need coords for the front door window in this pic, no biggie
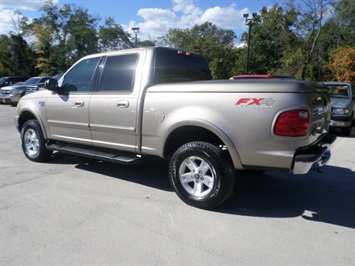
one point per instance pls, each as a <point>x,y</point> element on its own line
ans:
<point>80,77</point>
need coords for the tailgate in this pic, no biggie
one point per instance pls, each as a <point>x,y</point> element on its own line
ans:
<point>319,102</point>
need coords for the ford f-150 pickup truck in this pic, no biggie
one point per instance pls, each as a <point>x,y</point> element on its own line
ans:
<point>120,106</point>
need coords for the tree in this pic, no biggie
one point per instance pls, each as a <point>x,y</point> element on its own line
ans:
<point>337,38</point>
<point>147,43</point>
<point>83,39</point>
<point>67,33</point>
<point>343,64</point>
<point>6,56</point>
<point>271,40</point>
<point>308,29</point>
<point>63,35</point>
<point>16,56</point>
<point>50,33</point>
<point>113,37</point>
<point>44,48</point>
<point>344,15</point>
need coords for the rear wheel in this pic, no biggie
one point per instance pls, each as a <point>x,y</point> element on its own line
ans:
<point>33,142</point>
<point>201,175</point>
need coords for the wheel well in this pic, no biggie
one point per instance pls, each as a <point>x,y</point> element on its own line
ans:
<point>25,116</point>
<point>188,134</point>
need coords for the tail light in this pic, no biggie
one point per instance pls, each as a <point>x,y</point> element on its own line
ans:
<point>293,123</point>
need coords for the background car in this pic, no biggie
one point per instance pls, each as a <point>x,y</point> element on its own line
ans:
<point>40,86</point>
<point>342,96</point>
<point>12,94</point>
<point>8,81</point>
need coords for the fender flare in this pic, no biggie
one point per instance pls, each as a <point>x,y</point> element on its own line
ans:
<point>231,148</point>
<point>37,117</point>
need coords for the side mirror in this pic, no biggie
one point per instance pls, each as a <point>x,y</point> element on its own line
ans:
<point>51,84</point>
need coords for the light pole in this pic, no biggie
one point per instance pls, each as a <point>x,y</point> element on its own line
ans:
<point>136,30</point>
<point>248,21</point>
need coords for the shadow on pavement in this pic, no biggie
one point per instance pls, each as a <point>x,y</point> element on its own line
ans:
<point>321,197</point>
<point>152,172</point>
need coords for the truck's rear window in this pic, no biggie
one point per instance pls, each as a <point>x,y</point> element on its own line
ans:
<point>173,66</point>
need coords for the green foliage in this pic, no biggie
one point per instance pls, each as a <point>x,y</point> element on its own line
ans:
<point>344,15</point>
<point>272,40</point>
<point>5,55</point>
<point>16,57</point>
<point>113,37</point>
<point>147,43</point>
<point>308,29</point>
<point>342,64</point>
<point>64,35</point>
<point>308,39</point>
<point>83,39</point>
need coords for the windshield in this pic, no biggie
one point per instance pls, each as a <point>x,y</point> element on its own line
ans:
<point>338,91</point>
<point>58,76</point>
<point>31,81</point>
<point>2,81</point>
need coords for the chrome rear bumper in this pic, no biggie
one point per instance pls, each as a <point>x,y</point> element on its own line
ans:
<point>314,157</point>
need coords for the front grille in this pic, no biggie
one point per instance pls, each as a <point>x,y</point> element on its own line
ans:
<point>31,89</point>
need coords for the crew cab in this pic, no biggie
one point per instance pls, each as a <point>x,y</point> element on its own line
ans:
<point>124,105</point>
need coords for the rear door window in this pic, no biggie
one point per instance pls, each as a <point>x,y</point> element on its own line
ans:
<point>118,73</point>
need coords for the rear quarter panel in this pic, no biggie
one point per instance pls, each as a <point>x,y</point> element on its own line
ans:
<point>241,114</point>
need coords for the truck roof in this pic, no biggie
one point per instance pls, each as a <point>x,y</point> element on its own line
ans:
<point>260,76</point>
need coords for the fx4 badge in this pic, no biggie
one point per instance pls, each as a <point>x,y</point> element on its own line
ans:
<point>255,103</point>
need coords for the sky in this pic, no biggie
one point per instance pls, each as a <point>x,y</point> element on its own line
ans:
<point>153,17</point>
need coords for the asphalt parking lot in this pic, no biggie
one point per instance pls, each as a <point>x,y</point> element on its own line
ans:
<point>76,211</point>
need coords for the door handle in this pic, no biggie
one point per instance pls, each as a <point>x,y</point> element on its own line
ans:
<point>79,103</point>
<point>122,104</point>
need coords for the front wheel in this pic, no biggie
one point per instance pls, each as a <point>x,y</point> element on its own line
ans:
<point>201,175</point>
<point>33,142</point>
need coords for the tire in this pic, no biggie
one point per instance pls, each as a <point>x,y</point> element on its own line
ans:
<point>33,142</point>
<point>347,131</point>
<point>201,175</point>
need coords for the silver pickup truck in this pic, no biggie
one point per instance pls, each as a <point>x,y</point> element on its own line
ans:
<point>123,105</point>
